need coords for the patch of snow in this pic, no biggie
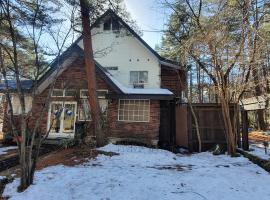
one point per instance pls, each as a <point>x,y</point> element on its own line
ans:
<point>258,150</point>
<point>146,174</point>
<point>3,150</point>
<point>138,90</point>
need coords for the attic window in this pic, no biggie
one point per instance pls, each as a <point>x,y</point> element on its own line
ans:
<point>115,25</point>
<point>107,25</point>
<point>111,24</point>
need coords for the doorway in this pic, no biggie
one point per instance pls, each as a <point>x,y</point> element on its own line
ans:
<point>62,118</point>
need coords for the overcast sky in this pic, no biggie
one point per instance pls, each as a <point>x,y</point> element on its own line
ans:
<point>150,16</point>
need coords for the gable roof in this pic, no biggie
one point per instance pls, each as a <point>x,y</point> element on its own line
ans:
<point>59,65</point>
<point>121,90</point>
<point>74,51</point>
<point>162,60</point>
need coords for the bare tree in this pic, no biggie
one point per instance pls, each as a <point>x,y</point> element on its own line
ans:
<point>34,17</point>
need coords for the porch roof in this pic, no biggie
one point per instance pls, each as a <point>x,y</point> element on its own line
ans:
<point>12,85</point>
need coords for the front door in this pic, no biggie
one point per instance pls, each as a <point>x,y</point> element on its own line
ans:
<point>62,118</point>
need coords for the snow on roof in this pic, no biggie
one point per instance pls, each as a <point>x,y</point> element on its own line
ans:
<point>126,90</point>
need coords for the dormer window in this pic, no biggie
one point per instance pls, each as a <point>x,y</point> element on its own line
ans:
<point>107,25</point>
<point>138,78</point>
<point>111,24</point>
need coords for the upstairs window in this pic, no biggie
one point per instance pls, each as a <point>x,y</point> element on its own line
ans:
<point>111,24</point>
<point>138,77</point>
<point>107,25</point>
<point>115,25</point>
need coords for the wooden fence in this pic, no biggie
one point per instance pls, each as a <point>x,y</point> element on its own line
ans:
<point>211,125</point>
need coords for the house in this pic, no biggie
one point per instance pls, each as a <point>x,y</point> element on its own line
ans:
<point>133,84</point>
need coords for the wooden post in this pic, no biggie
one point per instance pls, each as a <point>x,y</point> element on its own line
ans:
<point>245,142</point>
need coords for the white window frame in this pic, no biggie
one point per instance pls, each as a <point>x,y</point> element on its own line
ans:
<point>79,119</point>
<point>16,105</point>
<point>62,116</point>
<point>99,97</point>
<point>144,83</point>
<point>68,89</point>
<point>64,92</point>
<point>57,95</point>
<point>85,97</point>
<point>81,96</point>
<point>149,106</point>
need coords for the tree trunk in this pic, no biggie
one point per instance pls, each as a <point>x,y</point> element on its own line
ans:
<point>230,135</point>
<point>91,76</point>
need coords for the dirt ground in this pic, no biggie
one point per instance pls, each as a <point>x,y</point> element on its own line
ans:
<point>69,157</point>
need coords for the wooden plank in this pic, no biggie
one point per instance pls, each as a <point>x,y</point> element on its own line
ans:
<point>245,141</point>
<point>181,126</point>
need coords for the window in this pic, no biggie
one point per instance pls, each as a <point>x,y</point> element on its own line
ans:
<point>16,105</point>
<point>100,93</point>
<point>138,77</point>
<point>134,110</point>
<point>57,93</point>
<point>70,93</point>
<point>107,25</point>
<point>111,24</point>
<point>83,93</point>
<point>63,93</point>
<point>84,108</point>
<point>115,25</point>
<point>2,98</point>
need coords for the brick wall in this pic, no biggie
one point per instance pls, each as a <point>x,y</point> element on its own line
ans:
<point>170,79</point>
<point>75,78</point>
<point>147,132</point>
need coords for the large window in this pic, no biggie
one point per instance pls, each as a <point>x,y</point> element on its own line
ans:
<point>138,77</point>
<point>84,107</point>
<point>84,110</point>
<point>134,110</point>
<point>16,105</point>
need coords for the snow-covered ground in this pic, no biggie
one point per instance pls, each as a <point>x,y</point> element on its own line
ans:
<point>146,174</point>
<point>258,150</point>
<point>4,150</point>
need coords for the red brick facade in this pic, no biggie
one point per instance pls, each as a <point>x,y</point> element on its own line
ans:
<point>74,77</point>
<point>173,79</point>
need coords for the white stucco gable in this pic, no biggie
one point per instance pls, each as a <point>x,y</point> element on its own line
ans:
<point>120,52</point>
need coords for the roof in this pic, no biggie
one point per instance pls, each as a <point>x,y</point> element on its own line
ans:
<point>128,91</point>
<point>74,51</point>
<point>161,59</point>
<point>12,85</point>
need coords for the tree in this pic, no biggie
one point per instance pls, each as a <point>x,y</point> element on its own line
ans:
<point>23,24</point>
<point>220,37</point>
<point>90,72</point>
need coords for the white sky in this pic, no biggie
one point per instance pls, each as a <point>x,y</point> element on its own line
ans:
<point>150,16</point>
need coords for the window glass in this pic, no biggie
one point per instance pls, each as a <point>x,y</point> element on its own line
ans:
<point>57,93</point>
<point>138,77</point>
<point>16,105</point>
<point>134,110</point>
<point>70,93</point>
<point>84,93</point>
<point>84,110</point>
<point>115,24</point>
<point>107,25</point>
